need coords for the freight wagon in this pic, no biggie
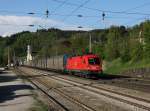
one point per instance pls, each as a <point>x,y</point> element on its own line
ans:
<point>84,65</point>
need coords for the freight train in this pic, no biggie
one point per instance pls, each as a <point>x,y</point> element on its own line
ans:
<point>84,65</point>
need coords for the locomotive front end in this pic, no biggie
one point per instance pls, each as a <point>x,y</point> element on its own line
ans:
<point>94,64</point>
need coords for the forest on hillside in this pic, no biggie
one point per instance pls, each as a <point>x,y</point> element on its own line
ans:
<point>128,44</point>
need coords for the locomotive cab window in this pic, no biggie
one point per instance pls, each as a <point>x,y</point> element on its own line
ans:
<point>94,61</point>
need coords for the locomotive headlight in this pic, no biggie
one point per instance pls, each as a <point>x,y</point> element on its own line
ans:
<point>88,67</point>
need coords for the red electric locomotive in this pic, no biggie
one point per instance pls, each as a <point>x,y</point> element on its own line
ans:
<point>88,64</point>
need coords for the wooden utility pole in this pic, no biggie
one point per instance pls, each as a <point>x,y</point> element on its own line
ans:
<point>141,39</point>
<point>14,59</point>
<point>90,43</point>
<point>8,57</point>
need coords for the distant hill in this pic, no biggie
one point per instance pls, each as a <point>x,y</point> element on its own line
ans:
<point>129,44</point>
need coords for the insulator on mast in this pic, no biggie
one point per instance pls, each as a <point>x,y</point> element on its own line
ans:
<point>47,13</point>
<point>103,15</point>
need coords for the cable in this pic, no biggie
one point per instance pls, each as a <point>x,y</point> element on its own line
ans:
<point>108,11</point>
<point>59,6</point>
<point>19,12</point>
<point>73,4</point>
<point>6,11</point>
<point>57,14</point>
<point>70,14</point>
<point>141,18</point>
<point>145,4</point>
<point>95,23</point>
<point>17,25</point>
<point>76,15</point>
<point>76,9</point>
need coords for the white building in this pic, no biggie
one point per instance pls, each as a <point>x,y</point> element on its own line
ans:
<point>29,51</point>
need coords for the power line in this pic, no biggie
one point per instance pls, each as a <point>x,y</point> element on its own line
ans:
<point>141,18</point>
<point>90,16</point>
<point>95,23</point>
<point>59,6</point>
<point>53,11</point>
<point>139,6</point>
<point>31,25</point>
<point>93,16</point>
<point>63,15</point>
<point>20,12</point>
<point>137,19</point>
<point>65,2</point>
<point>8,11</point>
<point>76,9</point>
<point>46,4</point>
<point>108,11</point>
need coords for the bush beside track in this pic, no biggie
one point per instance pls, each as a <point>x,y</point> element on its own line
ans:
<point>134,69</point>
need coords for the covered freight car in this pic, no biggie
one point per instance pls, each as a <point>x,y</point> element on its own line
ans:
<point>51,63</point>
<point>84,64</point>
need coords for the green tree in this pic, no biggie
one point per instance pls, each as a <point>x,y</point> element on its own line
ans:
<point>113,43</point>
<point>146,34</point>
<point>125,50</point>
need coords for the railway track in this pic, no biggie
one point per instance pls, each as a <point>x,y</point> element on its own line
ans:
<point>131,83</point>
<point>110,79</point>
<point>141,85</point>
<point>138,102</point>
<point>44,88</point>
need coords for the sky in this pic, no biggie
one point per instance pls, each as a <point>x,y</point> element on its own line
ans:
<point>64,14</point>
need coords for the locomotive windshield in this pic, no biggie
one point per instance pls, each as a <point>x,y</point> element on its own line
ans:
<point>94,61</point>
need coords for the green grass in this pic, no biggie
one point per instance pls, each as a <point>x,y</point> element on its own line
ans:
<point>117,66</point>
<point>38,104</point>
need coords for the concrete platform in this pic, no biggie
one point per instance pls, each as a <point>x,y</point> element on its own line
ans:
<point>15,95</point>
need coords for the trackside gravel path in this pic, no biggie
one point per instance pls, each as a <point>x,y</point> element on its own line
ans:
<point>15,95</point>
